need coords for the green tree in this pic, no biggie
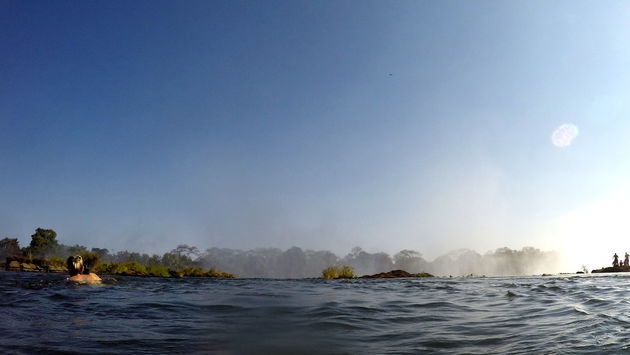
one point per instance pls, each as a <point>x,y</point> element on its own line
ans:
<point>409,260</point>
<point>154,260</point>
<point>76,250</point>
<point>291,263</point>
<point>103,254</point>
<point>175,261</point>
<point>8,247</point>
<point>180,257</point>
<point>185,250</point>
<point>43,242</point>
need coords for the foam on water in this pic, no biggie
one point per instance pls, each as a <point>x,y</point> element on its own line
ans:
<point>578,314</point>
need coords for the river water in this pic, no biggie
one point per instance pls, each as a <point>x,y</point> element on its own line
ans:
<point>42,313</point>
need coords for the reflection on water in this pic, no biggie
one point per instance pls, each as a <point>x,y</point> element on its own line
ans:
<point>44,313</point>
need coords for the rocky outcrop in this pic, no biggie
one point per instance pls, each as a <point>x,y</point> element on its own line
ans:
<point>611,269</point>
<point>36,265</point>
<point>13,265</point>
<point>395,274</point>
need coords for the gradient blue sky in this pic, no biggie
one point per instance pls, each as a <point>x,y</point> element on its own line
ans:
<point>322,124</point>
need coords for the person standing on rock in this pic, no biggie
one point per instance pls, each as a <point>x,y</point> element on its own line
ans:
<point>76,267</point>
<point>615,260</point>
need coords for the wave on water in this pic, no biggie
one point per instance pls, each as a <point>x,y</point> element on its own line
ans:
<point>578,314</point>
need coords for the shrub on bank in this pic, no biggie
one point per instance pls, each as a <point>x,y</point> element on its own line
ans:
<point>330,273</point>
<point>132,268</point>
<point>129,268</point>
<point>193,271</point>
<point>338,272</point>
<point>215,273</point>
<point>346,272</point>
<point>198,272</point>
<point>157,270</point>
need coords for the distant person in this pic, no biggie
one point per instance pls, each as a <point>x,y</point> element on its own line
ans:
<point>615,260</point>
<point>76,267</point>
<point>626,260</point>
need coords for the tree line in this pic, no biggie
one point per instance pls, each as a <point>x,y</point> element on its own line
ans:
<point>296,262</point>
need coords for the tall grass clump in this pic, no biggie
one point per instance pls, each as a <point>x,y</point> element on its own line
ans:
<point>215,273</point>
<point>346,272</point>
<point>338,272</point>
<point>330,273</point>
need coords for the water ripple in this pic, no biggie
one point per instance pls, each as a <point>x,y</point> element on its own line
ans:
<point>584,314</point>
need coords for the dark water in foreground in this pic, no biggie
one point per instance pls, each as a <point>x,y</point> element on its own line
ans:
<point>41,313</point>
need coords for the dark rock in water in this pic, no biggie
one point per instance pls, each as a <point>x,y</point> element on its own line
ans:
<point>391,274</point>
<point>395,274</point>
<point>580,272</point>
<point>611,269</point>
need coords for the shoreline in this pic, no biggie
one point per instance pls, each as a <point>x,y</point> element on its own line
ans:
<point>43,265</point>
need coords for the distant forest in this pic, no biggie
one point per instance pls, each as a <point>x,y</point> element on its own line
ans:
<point>296,262</point>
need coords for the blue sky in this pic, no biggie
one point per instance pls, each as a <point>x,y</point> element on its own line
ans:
<point>391,125</point>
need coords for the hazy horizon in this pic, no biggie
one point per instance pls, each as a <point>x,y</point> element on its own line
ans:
<point>430,126</point>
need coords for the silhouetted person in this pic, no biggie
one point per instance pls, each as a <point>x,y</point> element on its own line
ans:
<point>615,260</point>
<point>626,260</point>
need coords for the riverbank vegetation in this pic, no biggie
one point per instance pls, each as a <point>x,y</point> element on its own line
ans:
<point>46,254</point>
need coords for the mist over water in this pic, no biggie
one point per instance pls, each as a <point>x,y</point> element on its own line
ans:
<point>298,263</point>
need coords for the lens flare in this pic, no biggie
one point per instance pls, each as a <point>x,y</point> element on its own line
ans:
<point>564,135</point>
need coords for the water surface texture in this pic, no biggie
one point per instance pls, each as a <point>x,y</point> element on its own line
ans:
<point>42,313</point>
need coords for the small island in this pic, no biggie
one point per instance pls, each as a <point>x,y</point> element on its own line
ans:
<point>395,274</point>
<point>617,266</point>
<point>346,272</point>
